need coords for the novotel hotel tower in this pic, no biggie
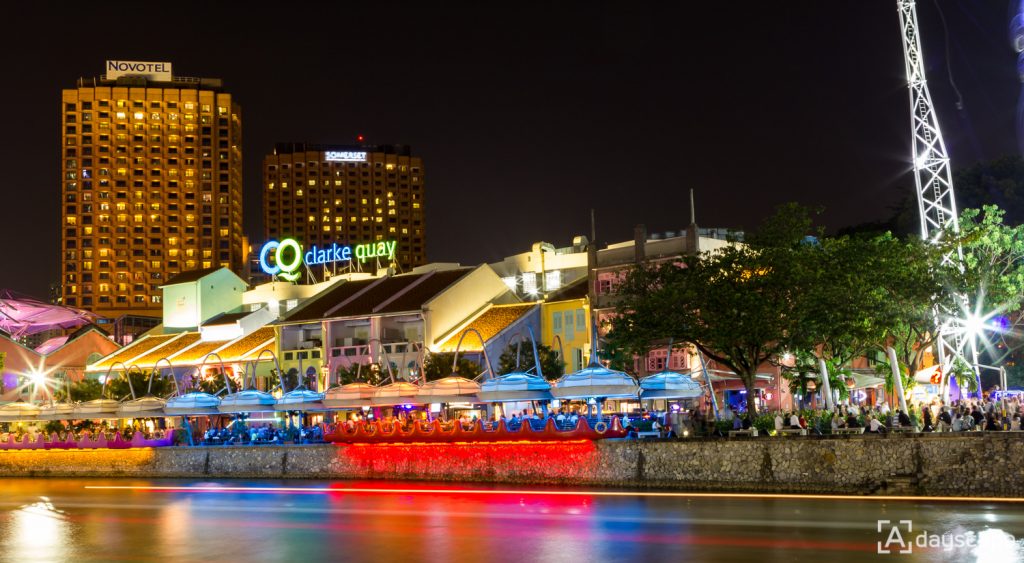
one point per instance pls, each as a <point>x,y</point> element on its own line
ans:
<point>346,194</point>
<point>151,185</point>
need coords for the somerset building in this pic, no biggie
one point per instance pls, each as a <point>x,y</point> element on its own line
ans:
<point>356,194</point>
<point>151,185</point>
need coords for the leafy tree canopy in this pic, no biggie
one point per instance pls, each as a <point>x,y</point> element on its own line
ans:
<point>552,366</point>
<point>437,366</point>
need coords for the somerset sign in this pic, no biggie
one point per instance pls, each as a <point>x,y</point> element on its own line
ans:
<point>345,156</point>
<point>160,72</point>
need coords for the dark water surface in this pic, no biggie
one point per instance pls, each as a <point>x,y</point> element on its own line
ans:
<point>71,520</point>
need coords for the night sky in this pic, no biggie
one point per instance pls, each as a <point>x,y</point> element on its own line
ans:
<point>527,115</point>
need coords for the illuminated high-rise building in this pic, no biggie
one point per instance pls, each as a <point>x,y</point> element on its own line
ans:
<point>151,185</point>
<point>351,194</point>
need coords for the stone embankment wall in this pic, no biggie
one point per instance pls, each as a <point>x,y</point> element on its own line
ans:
<point>959,465</point>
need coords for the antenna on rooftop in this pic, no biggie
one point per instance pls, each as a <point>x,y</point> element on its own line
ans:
<point>693,210</point>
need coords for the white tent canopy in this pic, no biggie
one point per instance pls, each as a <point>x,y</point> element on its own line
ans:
<point>669,385</point>
<point>249,400</point>
<point>300,399</point>
<point>451,389</point>
<point>145,406</point>
<point>196,403</point>
<point>353,395</point>
<point>397,393</point>
<point>515,386</point>
<point>12,412</point>
<point>595,381</point>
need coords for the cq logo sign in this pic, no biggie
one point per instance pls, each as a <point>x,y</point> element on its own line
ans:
<point>285,266</point>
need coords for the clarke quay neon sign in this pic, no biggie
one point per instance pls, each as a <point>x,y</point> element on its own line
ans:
<point>288,257</point>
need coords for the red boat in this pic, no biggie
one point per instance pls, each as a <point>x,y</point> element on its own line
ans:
<point>437,432</point>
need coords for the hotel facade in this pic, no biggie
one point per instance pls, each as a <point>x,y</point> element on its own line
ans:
<point>320,195</point>
<point>151,185</point>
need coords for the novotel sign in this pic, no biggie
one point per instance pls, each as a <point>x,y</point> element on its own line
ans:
<point>153,71</point>
<point>284,258</point>
<point>345,156</point>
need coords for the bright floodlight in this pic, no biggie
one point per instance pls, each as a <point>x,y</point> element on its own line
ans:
<point>974,325</point>
<point>37,377</point>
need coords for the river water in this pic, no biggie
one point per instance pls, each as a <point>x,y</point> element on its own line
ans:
<point>175,520</point>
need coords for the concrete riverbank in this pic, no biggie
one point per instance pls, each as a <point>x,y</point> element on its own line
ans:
<point>975,464</point>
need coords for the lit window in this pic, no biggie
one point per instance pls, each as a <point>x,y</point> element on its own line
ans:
<point>139,115</point>
<point>553,280</point>
<point>298,192</point>
<point>530,284</point>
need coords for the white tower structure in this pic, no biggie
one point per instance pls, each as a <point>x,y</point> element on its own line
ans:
<point>933,180</point>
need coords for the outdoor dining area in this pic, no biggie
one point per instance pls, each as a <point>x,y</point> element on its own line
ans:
<point>242,410</point>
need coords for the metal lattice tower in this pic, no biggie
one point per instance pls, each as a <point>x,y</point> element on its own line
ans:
<point>933,180</point>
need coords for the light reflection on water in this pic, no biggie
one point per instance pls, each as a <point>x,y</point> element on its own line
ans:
<point>60,520</point>
<point>37,532</point>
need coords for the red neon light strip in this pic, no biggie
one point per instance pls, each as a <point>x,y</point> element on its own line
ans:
<point>644,494</point>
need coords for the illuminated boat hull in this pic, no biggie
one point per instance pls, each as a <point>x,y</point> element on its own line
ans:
<point>85,442</point>
<point>381,433</point>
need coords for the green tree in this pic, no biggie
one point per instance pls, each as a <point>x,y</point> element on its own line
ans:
<point>552,366</point>
<point>843,310</point>
<point>371,373</point>
<point>993,279</point>
<point>735,304</point>
<point>83,390</point>
<point>292,380</point>
<point>805,380</point>
<point>614,351</point>
<point>910,273</point>
<point>439,365</point>
<point>118,387</point>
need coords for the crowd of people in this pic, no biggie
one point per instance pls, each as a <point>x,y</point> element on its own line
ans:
<point>66,433</point>
<point>266,433</point>
<point>970,415</point>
